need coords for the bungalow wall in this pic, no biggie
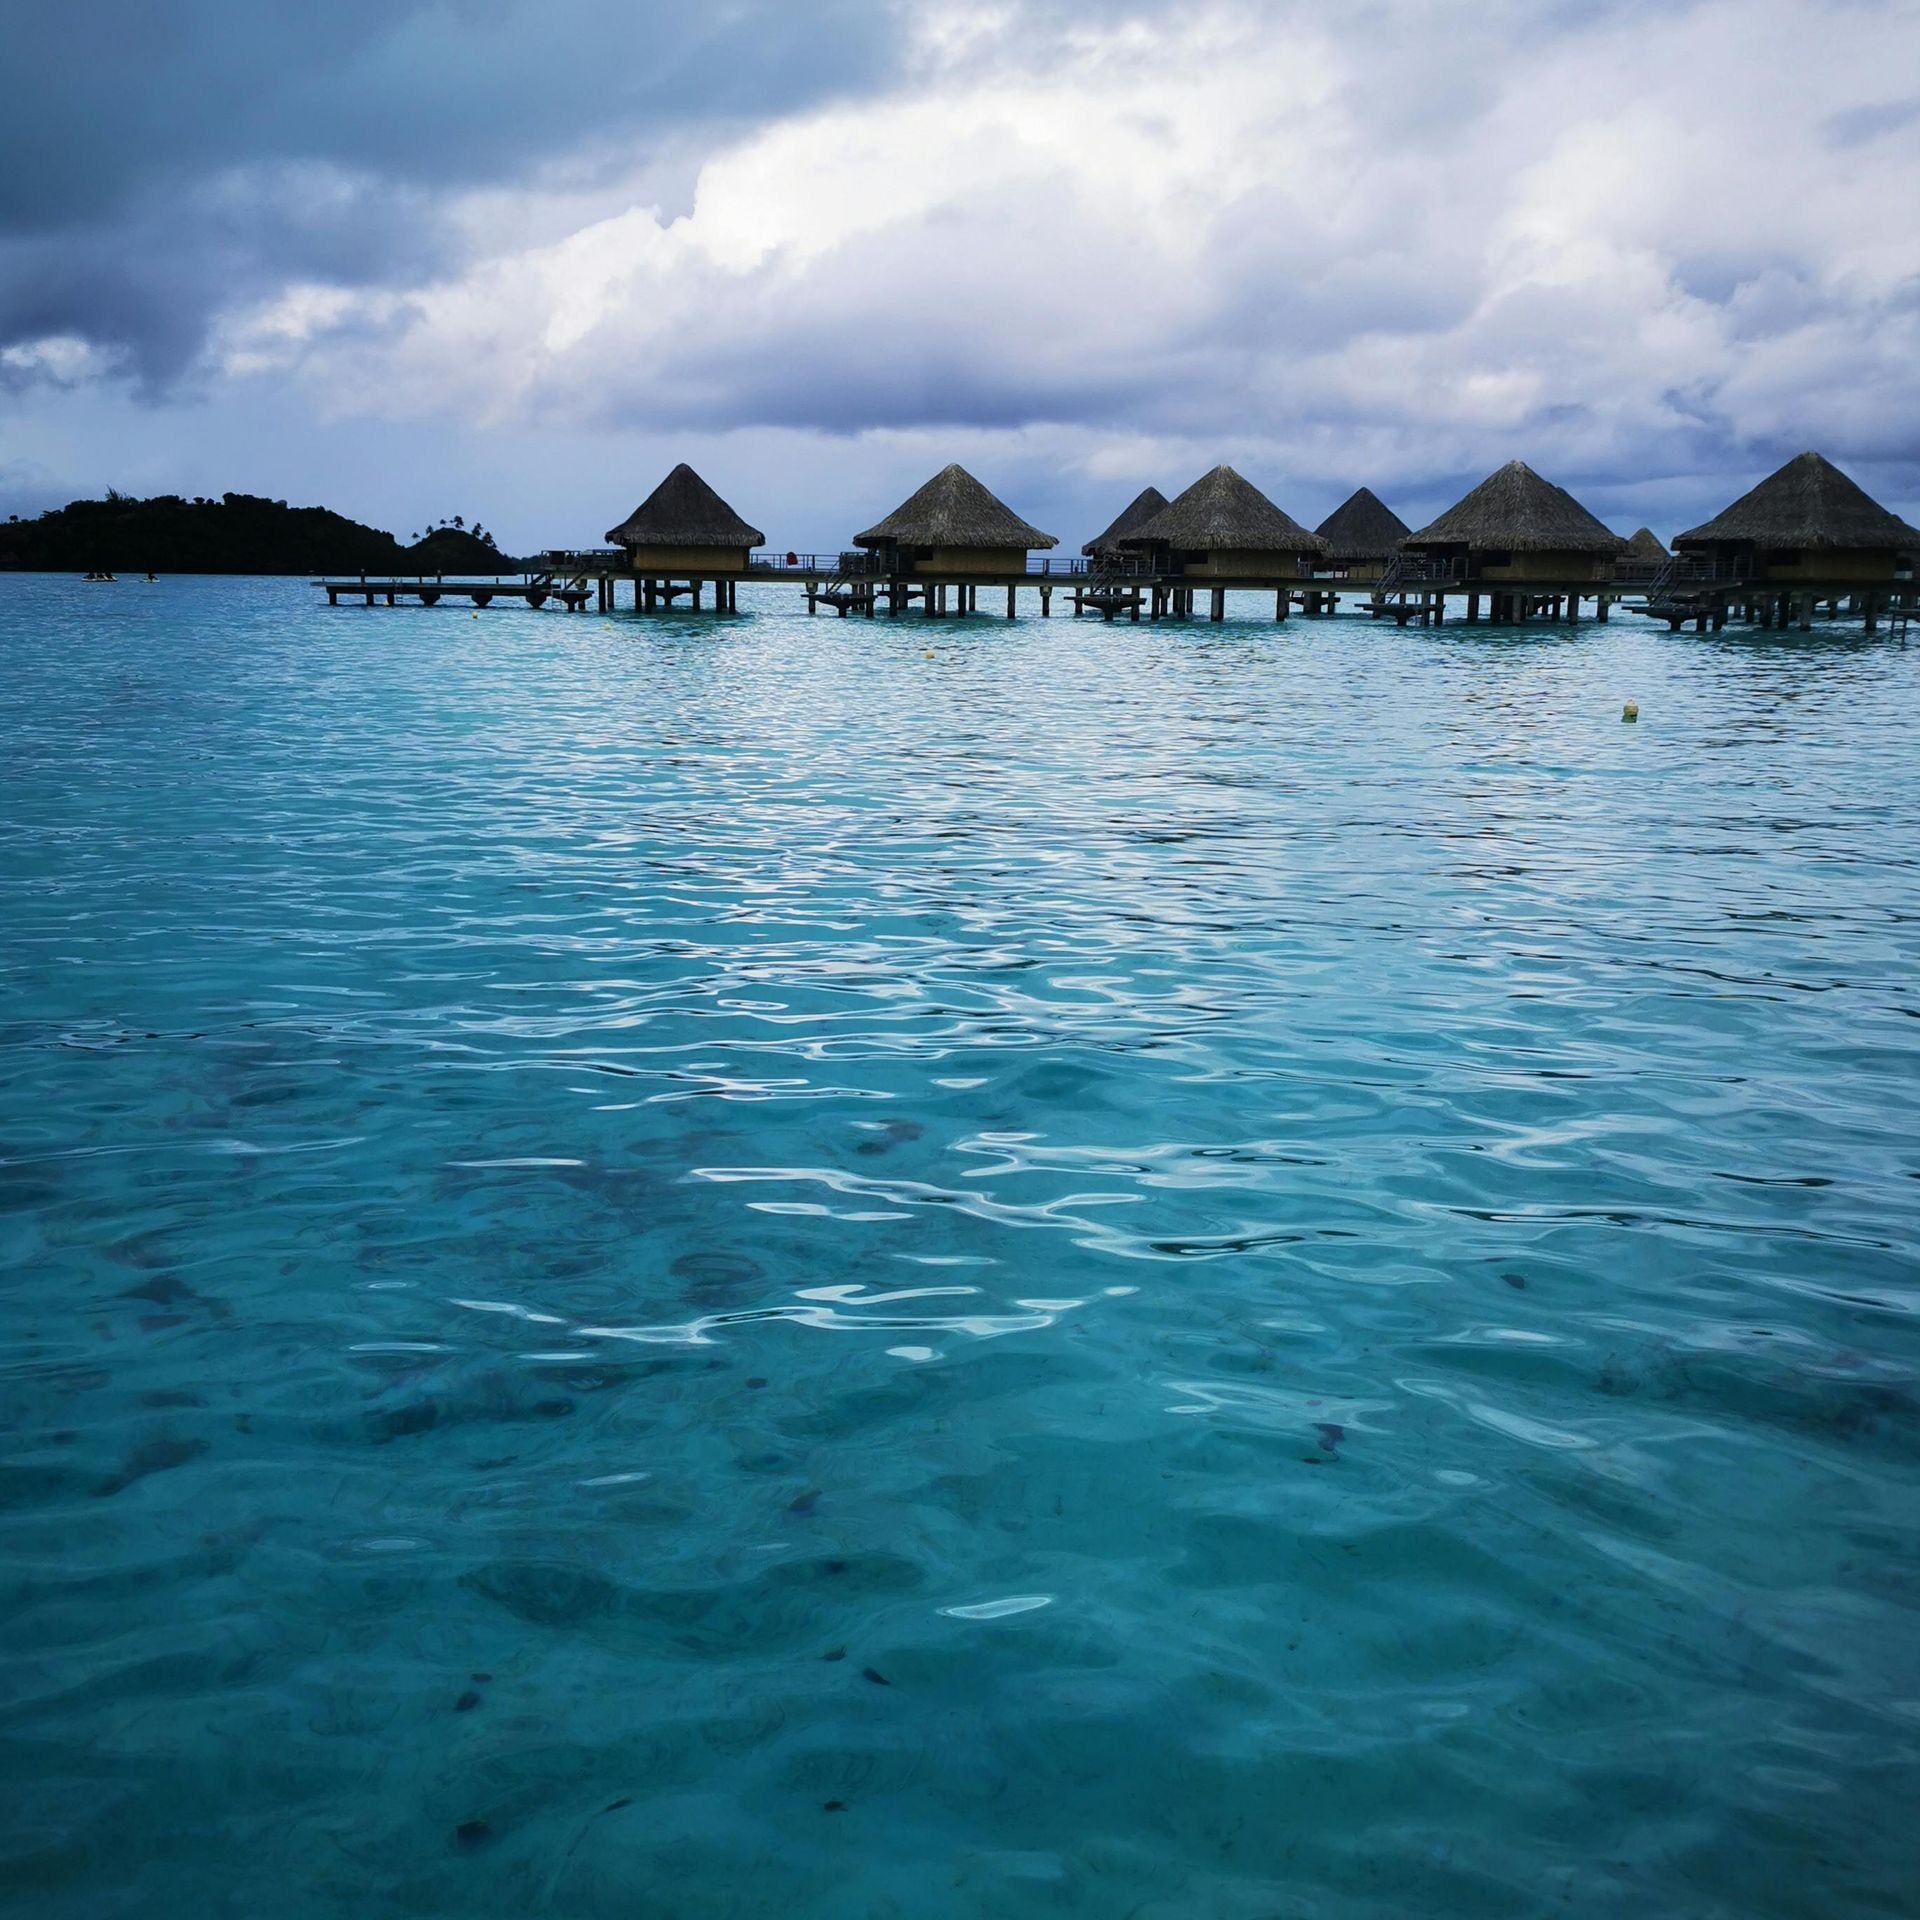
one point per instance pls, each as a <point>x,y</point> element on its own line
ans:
<point>1839,564</point>
<point>969,559</point>
<point>1224,565</point>
<point>675,560</point>
<point>1546,568</point>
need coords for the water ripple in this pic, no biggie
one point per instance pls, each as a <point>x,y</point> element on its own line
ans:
<point>1140,1270</point>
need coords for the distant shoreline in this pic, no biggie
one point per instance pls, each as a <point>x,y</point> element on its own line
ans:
<point>239,533</point>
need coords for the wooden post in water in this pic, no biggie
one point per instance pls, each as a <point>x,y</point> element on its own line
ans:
<point>1009,603</point>
<point>1046,603</point>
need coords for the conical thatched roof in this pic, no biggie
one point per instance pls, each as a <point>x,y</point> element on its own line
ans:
<point>1144,505</point>
<point>1222,513</point>
<point>1516,511</point>
<point>683,511</point>
<point>954,510</point>
<point>1645,546</point>
<point>1808,503</point>
<point>1363,527</point>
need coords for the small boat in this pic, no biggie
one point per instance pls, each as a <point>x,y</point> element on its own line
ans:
<point>98,576</point>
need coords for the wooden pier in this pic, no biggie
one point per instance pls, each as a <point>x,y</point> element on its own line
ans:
<point>533,589</point>
<point>1683,594</point>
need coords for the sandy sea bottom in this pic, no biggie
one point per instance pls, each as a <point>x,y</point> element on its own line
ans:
<point>678,1268</point>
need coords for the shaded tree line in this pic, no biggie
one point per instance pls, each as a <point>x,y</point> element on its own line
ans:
<point>237,533</point>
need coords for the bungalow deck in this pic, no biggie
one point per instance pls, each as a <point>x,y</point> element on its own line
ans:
<point>1410,592</point>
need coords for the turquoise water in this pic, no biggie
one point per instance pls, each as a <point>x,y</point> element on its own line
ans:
<point>684,1269</point>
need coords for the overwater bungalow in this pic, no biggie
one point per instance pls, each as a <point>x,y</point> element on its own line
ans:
<point>1136,513</point>
<point>1807,525</point>
<point>1640,565</point>
<point>1530,545</point>
<point>681,534</point>
<point>952,525</point>
<point>1223,531</point>
<point>1363,535</point>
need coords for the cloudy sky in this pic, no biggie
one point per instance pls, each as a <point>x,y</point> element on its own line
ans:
<point>513,258</point>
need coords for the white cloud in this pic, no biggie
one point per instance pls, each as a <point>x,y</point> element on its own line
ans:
<point>1396,241</point>
<point>61,358</point>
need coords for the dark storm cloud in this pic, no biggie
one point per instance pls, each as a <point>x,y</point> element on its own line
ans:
<point>1392,243</point>
<point>161,162</point>
<point>142,287</point>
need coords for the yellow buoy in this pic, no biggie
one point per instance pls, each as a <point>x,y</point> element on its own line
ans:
<point>1631,711</point>
<point>929,653</point>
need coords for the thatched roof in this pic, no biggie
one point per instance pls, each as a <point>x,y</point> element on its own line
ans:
<point>1144,505</point>
<point>1222,513</point>
<point>954,510</point>
<point>683,511</point>
<point>1808,503</point>
<point>1645,546</point>
<point>1363,527</point>
<point>1515,511</point>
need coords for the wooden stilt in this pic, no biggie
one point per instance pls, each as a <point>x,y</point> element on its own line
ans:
<point>1009,603</point>
<point>1046,603</point>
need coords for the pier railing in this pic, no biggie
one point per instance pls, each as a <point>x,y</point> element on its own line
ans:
<point>858,564</point>
<point>1420,570</point>
<point>1696,573</point>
